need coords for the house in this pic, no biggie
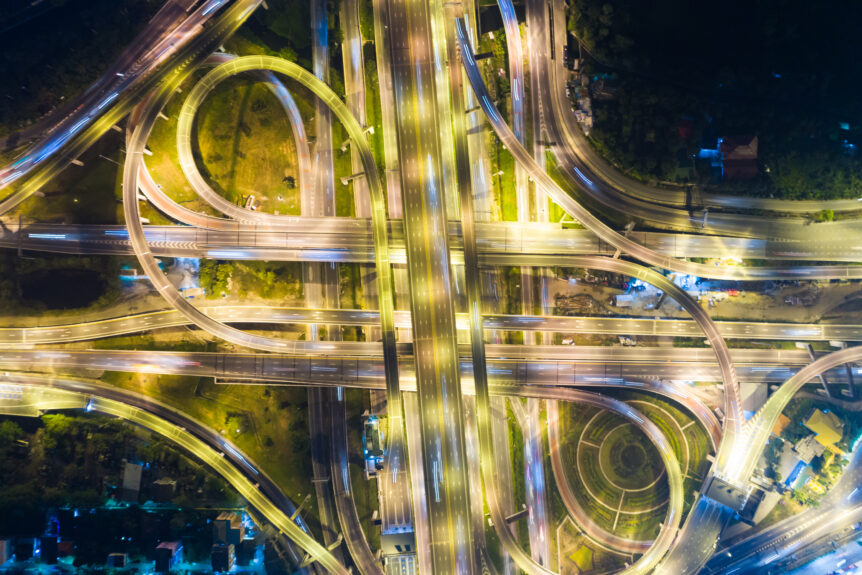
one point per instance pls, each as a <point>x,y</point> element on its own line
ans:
<point>685,128</point>
<point>163,490</point>
<point>117,560</point>
<point>65,548</point>
<point>780,425</point>
<point>808,448</point>
<point>26,548</point>
<point>49,549</point>
<point>228,528</point>
<point>739,157</point>
<point>222,557</point>
<point>169,554</point>
<point>827,426</point>
<point>131,481</point>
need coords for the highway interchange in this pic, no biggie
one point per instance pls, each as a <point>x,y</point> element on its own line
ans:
<point>423,226</point>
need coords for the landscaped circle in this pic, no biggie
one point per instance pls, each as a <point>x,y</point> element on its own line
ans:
<point>631,458</point>
<point>628,460</point>
<point>620,474</point>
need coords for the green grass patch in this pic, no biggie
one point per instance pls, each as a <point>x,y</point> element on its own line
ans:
<point>364,490</point>
<point>88,194</point>
<point>272,422</point>
<point>516,444</point>
<point>245,146</point>
<point>583,558</point>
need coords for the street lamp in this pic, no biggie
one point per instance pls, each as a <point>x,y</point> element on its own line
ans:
<point>368,130</point>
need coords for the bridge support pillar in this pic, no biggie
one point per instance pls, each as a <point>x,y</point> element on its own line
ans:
<point>517,515</point>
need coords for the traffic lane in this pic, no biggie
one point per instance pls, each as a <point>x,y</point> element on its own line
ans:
<point>358,371</point>
<point>440,409</point>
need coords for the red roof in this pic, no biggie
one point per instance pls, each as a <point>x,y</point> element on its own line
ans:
<point>739,157</point>
<point>739,148</point>
<point>685,128</point>
<point>172,545</point>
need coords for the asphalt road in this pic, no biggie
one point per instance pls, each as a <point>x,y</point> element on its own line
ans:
<point>424,210</point>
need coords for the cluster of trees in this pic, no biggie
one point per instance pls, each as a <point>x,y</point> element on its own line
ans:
<point>772,454</point>
<point>498,84</point>
<point>67,460</point>
<point>825,473</point>
<point>214,277</point>
<point>60,460</point>
<point>59,52</point>
<point>265,279</point>
<point>733,68</point>
<point>804,497</point>
<point>296,411</point>
<point>28,284</point>
<point>52,55</point>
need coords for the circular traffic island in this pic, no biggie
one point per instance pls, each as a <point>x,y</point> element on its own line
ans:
<point>244,146</point>
<point>628,460</point>
<point>615,472</point>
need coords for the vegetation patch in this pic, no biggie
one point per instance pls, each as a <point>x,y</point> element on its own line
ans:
<point>628,459</point>
<point>50,59</point>
<point>672,83</point>
<point>29,285</point>
<point>62,288</point>
<point>246,147</point>
<point>76,460</point>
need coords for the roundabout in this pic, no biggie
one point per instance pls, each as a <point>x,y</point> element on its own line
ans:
<point>620,476</point>
<point>615,471</point>
<point>627,462</point>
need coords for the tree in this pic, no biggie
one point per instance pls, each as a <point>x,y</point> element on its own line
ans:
<point>86,498</point>
<point>9,433</point>
<point>235,423</point>
<point>825,216</point>
<point>206,275</point>
<point>817,464</point>
<point>57,426</point>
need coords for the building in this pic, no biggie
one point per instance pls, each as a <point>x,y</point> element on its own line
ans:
<point>372,446</point>
<point>5,550</point>
<point>164,489</point>
<point>827,426</point>
<point>726,493</point>
<point>193,292</point>
<point>66,548</point>
<point>117,560</point>
<point>397,543</point>
<point>623,300</point>
<point>26,548</point>
<point>808,448</point>
<point>223,557</point>
<point>169,554</point>
<point>780,425</point>
<point>49,549</point>
<point>399,552</point>
<point>131,482</point>
<point>739,157</point>
<point>228,528</point>
<point>245,552</point>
